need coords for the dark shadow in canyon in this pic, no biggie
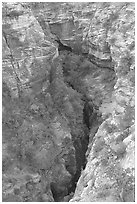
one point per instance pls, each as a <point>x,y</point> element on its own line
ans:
<point>91,122</point>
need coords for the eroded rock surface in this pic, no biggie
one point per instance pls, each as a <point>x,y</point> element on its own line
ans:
<point>109,173</point>
<point>68,102</point>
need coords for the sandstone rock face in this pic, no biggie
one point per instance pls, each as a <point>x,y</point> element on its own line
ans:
<point>109,172</point>
<point>57,57</point>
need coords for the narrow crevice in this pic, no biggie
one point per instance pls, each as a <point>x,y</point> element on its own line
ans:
<point>80,143</point>
<point>81,147</point>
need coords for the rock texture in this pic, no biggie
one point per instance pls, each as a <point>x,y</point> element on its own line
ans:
<point>109,173</point>
<point>68,102</point>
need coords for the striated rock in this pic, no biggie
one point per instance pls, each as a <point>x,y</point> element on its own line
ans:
<point>59,59</point>
<point>110,159</point>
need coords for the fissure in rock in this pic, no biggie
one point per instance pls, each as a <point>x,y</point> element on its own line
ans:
<point>90,119</point>
<point>81,147</point>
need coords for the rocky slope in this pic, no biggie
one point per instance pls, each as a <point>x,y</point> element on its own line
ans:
<point>68,102</point>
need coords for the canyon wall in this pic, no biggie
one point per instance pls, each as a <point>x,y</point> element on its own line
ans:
<point>68,102</point>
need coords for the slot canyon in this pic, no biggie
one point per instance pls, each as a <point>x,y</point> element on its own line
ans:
<point>68,102</point>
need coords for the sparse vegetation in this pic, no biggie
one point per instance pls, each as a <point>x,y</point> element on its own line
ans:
<point>49,134</point>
